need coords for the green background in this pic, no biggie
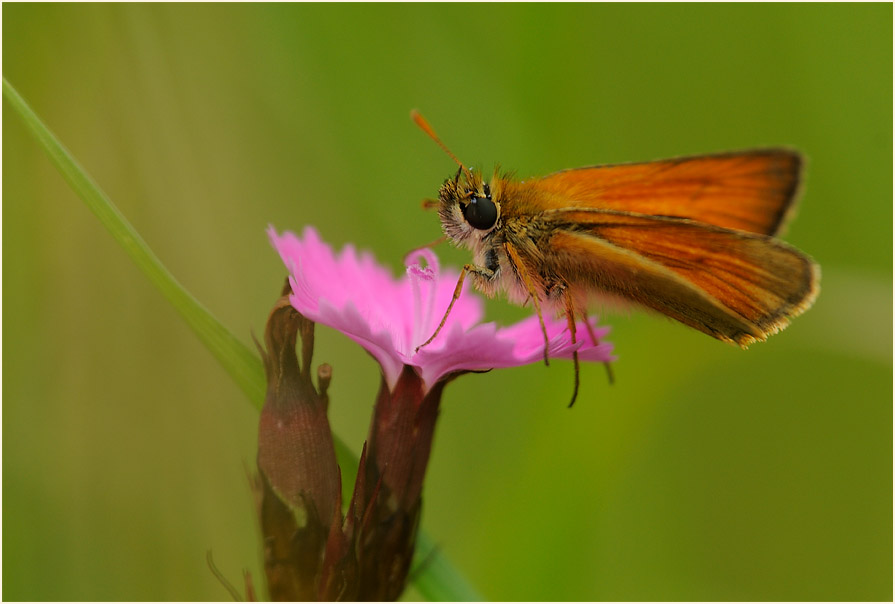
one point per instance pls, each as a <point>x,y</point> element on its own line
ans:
<point>704,473</point>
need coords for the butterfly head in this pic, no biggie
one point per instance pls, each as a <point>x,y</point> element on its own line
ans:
<point>467,207</point>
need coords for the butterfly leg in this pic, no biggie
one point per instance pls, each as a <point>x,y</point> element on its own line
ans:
<point>596,341</point>
<point>532,292</point>
<point>469,268</point>
<point>570,319</point>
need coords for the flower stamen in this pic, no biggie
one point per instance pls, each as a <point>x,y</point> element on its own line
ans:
<point>428,273</point>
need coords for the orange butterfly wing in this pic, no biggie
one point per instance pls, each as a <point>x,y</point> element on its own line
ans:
<point>735,286</point>
<point>750,190</point>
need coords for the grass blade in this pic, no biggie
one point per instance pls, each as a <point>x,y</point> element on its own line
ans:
<point>241,363</point>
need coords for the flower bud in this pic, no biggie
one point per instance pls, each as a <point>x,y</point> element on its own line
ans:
<point>299,483</point>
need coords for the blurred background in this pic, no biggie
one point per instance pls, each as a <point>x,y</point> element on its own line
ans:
<point>704,473</point>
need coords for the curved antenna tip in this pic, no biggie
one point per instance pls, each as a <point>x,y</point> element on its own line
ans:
<point>420,121</point>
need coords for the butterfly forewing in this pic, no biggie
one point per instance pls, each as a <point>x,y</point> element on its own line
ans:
<point>750,191</point>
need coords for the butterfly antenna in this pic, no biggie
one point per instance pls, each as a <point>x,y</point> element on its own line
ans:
<point>420,121</point>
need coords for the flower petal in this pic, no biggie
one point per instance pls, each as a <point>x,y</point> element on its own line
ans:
<point>391,317</point>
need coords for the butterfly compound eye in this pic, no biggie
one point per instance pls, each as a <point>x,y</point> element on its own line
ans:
<point>480,213</point>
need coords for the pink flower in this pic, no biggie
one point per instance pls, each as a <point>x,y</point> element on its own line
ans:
<point>391,317</point>
<point>367,554</point>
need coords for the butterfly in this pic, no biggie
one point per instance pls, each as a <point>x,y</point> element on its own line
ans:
<point>693,238</point>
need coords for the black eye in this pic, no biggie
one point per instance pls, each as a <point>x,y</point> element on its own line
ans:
<point>481,213</point>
